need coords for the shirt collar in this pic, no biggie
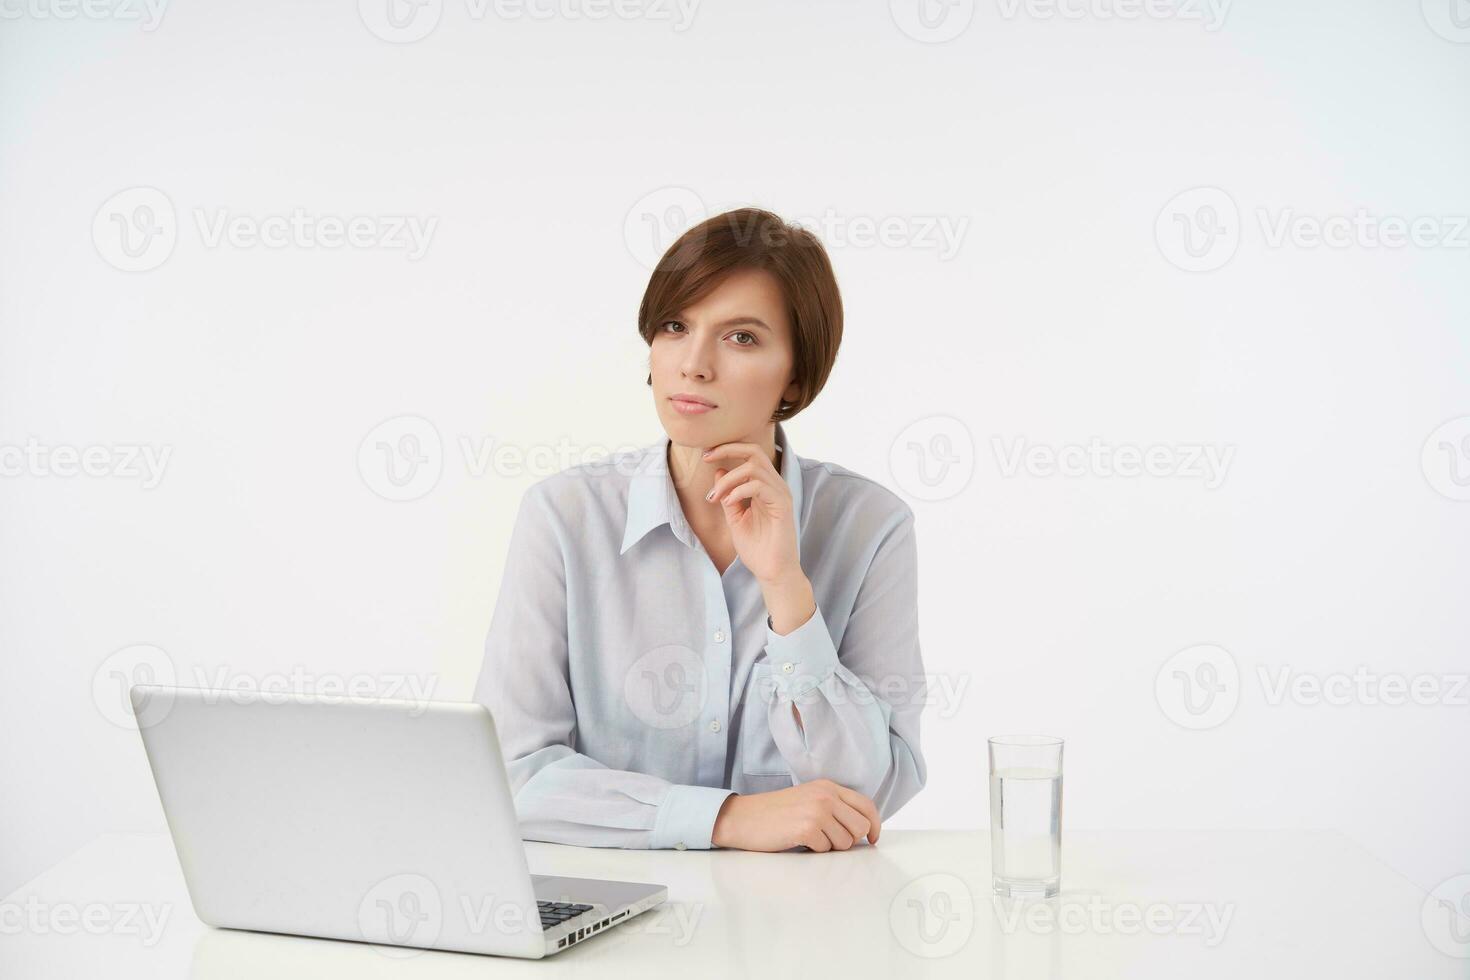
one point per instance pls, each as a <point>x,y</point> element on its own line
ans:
<point>652,499</point>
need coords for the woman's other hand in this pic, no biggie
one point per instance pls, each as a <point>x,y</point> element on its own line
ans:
<point>821,815</point>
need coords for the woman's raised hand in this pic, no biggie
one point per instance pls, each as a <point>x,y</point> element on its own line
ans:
<point>758,509</point>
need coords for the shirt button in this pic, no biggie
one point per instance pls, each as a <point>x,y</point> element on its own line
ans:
<point>719,636</point>
<point>714,726</point>
<point>787,668</point>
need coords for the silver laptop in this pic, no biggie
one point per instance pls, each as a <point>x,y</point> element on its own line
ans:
<point>379,821</point>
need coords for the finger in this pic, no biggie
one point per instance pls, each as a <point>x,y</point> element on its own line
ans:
<point>731,450</point>
<point>816,840</point>
<point>710,494</point>
<point>837,834</point>
<point>865,806</point>
<point>773,491</point>
<point>742,451</point>
<point>855,823</point>
<point>725,479</point>
<point>748,489</point>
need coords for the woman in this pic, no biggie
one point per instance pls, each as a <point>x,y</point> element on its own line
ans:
<point>712,642</point>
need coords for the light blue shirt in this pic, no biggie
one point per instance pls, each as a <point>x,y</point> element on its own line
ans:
<point>634,687</point>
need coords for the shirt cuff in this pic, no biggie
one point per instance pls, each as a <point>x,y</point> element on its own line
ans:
<point>686,819</point>
<point>802,659</point>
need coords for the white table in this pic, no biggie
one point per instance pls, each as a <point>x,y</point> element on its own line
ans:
<point>1135,904</point>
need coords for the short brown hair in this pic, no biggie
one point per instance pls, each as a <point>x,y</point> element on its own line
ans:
<point>751,238</point>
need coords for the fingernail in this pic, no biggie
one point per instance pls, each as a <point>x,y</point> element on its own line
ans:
<point>710,495</point>
<point>705,454</point>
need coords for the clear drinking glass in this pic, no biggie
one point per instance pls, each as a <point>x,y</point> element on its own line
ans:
<point>1026,815</point>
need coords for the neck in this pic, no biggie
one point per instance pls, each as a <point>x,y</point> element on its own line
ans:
<point>693,477</point>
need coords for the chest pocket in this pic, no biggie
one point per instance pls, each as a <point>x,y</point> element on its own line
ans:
<point>758,751</point>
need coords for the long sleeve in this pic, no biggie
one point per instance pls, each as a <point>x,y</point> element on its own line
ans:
<point>857,736</point>
<point>562,795</point>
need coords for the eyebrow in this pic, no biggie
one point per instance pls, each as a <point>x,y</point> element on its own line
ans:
<point>736,321</point>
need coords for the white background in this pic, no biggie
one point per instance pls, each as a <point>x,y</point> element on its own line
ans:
<point>556,155</point>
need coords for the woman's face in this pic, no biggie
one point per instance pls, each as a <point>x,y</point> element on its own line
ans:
<point>731,350</point>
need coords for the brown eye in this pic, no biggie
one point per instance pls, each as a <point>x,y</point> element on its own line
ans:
<point>672,323</point>
<point>743,333</point>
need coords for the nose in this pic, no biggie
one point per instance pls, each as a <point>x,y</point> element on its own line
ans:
<point>699,357</point>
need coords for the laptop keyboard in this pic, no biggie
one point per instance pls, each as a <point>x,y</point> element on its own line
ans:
<point>555,913</point>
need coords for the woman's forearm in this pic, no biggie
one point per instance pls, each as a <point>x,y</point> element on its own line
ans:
<point>790,602</point>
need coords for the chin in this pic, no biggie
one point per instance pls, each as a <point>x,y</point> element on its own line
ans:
<point>679,427</point>
<point>693,430</point>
